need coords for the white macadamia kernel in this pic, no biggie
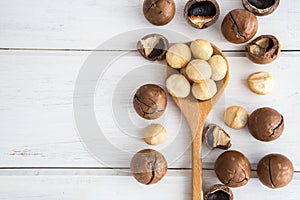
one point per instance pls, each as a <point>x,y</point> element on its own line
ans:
<point>178,86</point>
<point>201,49</point>
<point>204,90</point>
<point>218,66</point>
<point>178,56</point>
<point>198,70</point>
<point>154,134</point>
<point>261,83</point>
<point>236,117</point>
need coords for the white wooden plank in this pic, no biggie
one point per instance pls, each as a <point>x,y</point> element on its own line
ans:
<point>99,184</point>
<point>37,116</point>
<point>75,24</point>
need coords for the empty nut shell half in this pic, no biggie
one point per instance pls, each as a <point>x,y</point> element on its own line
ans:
<point>259,7</point>
<point>216,137</point>
<point>263,50</point>
<point>218,192</point>
<point>201,13</point>
<point>153,47</point>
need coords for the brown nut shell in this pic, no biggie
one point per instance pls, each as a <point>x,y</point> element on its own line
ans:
<point>216,137</point>
<point>150,101</point>
<point>233,168</point>
<point>266,124</point>
<point>275,170</point>
<point>201,13</point>
<point>153,47</point>
<point>218,192</point>
<point>259,7</point>
<point>263,49</point>
<point>159,12</point>
<point>239,26</point>
<point>148,166</point>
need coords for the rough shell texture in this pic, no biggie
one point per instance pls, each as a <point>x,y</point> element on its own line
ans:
<point>266,124</point>
<point>239,26</point>
<point>159,12</point>
<point>263,50</point>
<point>261,8</point>
<point>150,101</point>
<point>201,13</point>
<point>233,168</point>
<point>148,166</point>
<point>275,170</point>
<point>218,192</point>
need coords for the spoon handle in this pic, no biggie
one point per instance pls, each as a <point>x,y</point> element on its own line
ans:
<point>197,186</point>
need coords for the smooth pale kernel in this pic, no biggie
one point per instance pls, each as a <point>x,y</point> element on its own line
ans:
<point>178,86</point>
<point>178,56</point>
<point>218,67</point>
<point>236,117</point>
<point>261,83</point>
<point>201,49</point>
<point>154,134</point>
<point>204,90</point>
<point>198,70</point>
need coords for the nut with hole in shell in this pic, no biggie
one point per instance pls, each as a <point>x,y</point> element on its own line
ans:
<point>218,192</point>
<point>275,170</point>
<point>201,49</point>
<point>201,13</point>
<point>261,82</point>
<point>159,12</point>
<point>204,90</point>
<point>198,70</point>
<point>236,117</point>
<point>178,86</point>
<point>154,134</point>
<point>261,8</point>
<point>218,67</point>
<point>216,137</point>
<point>239,26</point>
<point>178,56</point>
<point>263,50</point>
<point>153,47</point>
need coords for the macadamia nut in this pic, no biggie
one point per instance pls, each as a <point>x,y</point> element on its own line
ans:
<point>198,70</point>
<point>236,117</point>
<point>204,90</point>
<point>201,49</point>
<point>178,86</point>
<point>178,56</point>
<point>218,66</point>
<point>154,134</point>
<point>261,82</point>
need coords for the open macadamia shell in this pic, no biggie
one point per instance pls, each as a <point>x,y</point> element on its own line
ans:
<point>218,192</point>
<point>201,13</point>
<point>216,137</point>
<point>261,7</point>
<point>263,49</point>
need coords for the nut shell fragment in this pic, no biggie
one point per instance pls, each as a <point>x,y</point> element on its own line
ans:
<point>216,137</point>
<point>218,192</point>
<point>261,8</point>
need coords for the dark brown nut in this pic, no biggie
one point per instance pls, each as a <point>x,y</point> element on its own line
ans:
<point>233,168</point>
<point>259,7</point>
<point>216,137</point>
<point>218,192</point>
<point>159,12</point>
<point>201,13</point>
<point>266,124</point>
<point>275,171</point>
<point>153,47</point>
<point>239,26</point>
<point>148,166</point>
<point>150,101</point>
<point>263,50</point>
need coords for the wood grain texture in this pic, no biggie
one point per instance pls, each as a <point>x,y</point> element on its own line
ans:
<point>76,24</point>
<point>36,112</point>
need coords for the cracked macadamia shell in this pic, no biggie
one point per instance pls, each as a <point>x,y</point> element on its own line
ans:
<point>266,124</point>
<point>275,170</point>
<point>218,192</point>
<point>150,101</point>
<point>201,13</point>
<point>233,168</point>
<point>148,166</point>
<point>239,26</point>
<point>261,7</point>
<point>263,49</point>
<point>159,12</point>
<point>216,137</point>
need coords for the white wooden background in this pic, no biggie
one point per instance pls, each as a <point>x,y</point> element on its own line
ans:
<point>43,45</point>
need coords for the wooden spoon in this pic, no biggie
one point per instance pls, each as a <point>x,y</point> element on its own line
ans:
<point>196,113</point>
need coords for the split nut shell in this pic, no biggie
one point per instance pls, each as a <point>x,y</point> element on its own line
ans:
<point>218,192</point>
<point>261,8</point>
